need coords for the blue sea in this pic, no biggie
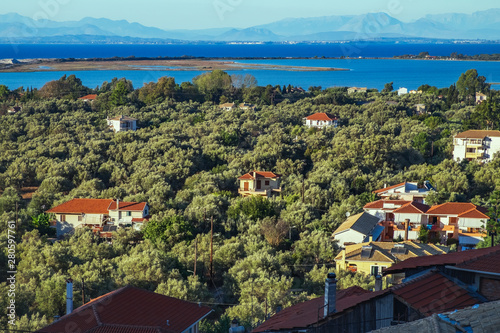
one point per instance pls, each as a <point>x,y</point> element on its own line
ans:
<point>371,73</point>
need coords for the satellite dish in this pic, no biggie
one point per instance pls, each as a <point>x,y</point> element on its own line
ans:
<point>347,214</point>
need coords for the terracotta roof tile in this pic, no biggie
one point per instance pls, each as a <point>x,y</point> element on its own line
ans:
<point>379,204</point>
<point>434,293</point>
<point>259,174</point>
<point>94,206</point>
<point>477,134</point>
<point>388,188</point>
<point>89,97</point>
<point>412,208</point>
<point>454,258</point>
<point>131,310</point>
<point>306,313</point>
<point>322,116</point>
<point>453,208</point>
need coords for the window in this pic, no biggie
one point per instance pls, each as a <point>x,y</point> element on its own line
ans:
<point>80,218</point>
<point>374,270</point>
<point>129,213</point>
<point>63,218</point>
<point>267,182</point>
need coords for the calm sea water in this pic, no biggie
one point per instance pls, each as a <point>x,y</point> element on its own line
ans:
<point>372,73</point>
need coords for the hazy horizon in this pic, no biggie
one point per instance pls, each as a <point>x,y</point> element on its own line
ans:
<point>198,14</point>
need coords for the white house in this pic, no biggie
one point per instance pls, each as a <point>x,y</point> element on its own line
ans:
<point>122,123</point>
<point>358,229</point>
<point>480,97</point>
<point>402,91</point>
<point>408,191</point>
<point>321,120</point>
<point>97,213</point>
<point>263,183</point>
<point>476,145</point>
<point>227,106</point>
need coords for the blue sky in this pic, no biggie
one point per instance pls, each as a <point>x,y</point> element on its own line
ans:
<point>200,14</point>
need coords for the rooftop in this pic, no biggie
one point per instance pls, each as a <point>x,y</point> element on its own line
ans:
<point>94,206</point>
<point>461,209</point>
<point>304,314</point>
<point>389,251</point>
<point>322,116</point>
<point>477,134</point>
<point>434,293</point>
<point>363,223</point>
<point>259,174</point>
<point>123,118</point>
<point>131,310</point>
<point>379,204</point>
<point>412,208</point>
<point>454,258</point>
<point>486,318</point>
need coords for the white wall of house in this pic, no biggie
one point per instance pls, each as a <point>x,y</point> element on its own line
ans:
<point>471,223</point>
<point>414,218</point>
<point>319,123</point>
<point>377,213</point>
<point>265,184</point>
<point>412,235</point>
<point>492,147</point>
<point>68,222</point>
<point>123,125</point>
<point>349,236</point>
<point>459,151</point>
<point>126,216</point>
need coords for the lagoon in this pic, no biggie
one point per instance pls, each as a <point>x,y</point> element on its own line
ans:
<point>371,73</point>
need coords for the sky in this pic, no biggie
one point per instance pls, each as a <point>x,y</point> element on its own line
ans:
<point>203,14</point>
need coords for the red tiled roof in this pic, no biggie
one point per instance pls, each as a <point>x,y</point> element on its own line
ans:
<point>477,134</point>
<point>128,206</point>
<point>94,206</point>
<point>388,188</point>
<point>306,313</point>
<point>487,263</point>
<point>89,97</point>
<point>131,310</point>
<point>412,208</point>
<point>433,293</point>
<point>457,208</point>
<point>454,258</point>
<point>264,174</point>
<point>379,204</point>
<point>78,206</point>
<point>322,116</point>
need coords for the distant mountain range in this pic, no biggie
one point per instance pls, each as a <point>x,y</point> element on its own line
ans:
<point>483,25</point>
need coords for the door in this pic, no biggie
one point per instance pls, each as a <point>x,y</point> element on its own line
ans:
<point>245,186</point>
<point>259,185</point>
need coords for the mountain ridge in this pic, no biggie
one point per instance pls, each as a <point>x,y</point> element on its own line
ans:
<point>481,25</point>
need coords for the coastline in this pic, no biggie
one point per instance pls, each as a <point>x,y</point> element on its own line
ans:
<point>141,64</point>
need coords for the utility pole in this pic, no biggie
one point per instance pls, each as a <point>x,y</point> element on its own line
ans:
<point>303,189</point>
<point>83,292</point>
<point>195,255</point>
<point>211,247</point>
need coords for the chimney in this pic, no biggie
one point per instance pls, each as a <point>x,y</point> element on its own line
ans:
<point>378,283</point>
<point>330,294</point>
<point>117,204</point>
<point>407,224</point>
<point>69,296</point>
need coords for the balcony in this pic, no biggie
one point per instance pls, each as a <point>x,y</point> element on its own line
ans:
<point>263,192</point>
<point>476,155</point>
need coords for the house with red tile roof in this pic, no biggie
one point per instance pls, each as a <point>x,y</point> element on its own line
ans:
<point>88,98</point>
<point>98,213</point>
<point>227,106</point>
<point>409,191</point>
<point>479,269</point>
<point>132,310</point>
<point>357,311</point>
<point>462,221</point>
<point>476,145</point>
<point>321,120</point>
<point>263,183</point>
